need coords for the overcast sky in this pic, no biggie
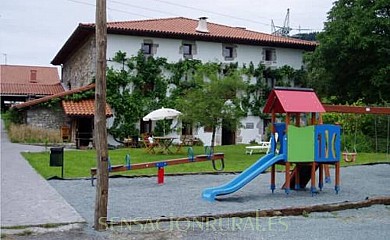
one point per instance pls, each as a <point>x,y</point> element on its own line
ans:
<point>33,31</point>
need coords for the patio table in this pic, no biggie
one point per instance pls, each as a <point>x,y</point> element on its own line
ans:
<point>165,143</point>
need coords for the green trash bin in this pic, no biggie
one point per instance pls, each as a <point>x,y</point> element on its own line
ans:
<point>57,157</point>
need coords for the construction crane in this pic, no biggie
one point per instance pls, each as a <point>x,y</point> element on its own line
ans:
<point>282,31</point>
<point>286,29</point>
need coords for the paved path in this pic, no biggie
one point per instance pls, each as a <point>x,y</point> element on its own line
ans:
<point>27,198</point>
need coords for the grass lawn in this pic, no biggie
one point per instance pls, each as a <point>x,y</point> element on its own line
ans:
<point>77,163</point>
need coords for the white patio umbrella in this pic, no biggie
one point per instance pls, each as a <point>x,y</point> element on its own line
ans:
<point>161,114</point>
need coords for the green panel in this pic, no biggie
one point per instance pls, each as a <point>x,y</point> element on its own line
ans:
<point>300,144</point>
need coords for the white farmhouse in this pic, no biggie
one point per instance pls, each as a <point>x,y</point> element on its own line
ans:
<point>181,38</point>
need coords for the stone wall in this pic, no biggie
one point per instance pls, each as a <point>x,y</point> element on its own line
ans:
<point>45,117</point>
<point>79,69</point>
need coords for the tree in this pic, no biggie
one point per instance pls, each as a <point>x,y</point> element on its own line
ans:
<point>137,85</point>
<point>306,36</point>
<point>215,99</point>
<point>352,60</point>
<point>135,90</point>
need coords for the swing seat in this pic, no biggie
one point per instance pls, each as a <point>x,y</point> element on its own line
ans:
<point>349,156</point>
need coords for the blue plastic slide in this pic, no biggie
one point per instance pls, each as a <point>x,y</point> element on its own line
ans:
<point>245,177</point>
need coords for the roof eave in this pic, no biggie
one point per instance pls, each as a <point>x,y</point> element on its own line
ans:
<point>23,94</point>
<point>87,115</point>
<point>83,31</point>
<point>209,38</point>
<point>77,38</point>
<point>58,95</point>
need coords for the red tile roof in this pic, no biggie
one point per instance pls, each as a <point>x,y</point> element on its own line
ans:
<point>29,80</point>
<point>293,100</point>
<point>30,89</point>
<point>23,74</point>
<point>82,108</point>
<point>181,28</point>
<point>186,26</point>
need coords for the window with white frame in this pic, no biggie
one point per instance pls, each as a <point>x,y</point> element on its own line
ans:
<point>188,49</point>
<point>148,48</point>
<point>229,52</point>
<point>269,55</point>
<point>249,125</point>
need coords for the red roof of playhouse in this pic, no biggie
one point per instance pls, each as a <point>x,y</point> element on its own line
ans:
<point>293,100</point>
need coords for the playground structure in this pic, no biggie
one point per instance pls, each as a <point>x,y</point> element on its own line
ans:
<point>160,165</point>
<point>303,142</point>
<point>309,147</point>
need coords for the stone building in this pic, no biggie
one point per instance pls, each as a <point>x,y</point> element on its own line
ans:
<point>182,38</point>
<point>22,83</point>
<point>74,119</point>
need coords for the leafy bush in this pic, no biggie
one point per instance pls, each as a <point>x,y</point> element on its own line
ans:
<point>11,116</point>
<point>360,142</point>
<point>6,119</point>
<point>366,133</point>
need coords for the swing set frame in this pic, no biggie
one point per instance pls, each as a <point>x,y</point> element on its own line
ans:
<point>351,156</point>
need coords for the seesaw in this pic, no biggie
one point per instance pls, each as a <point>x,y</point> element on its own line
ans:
<point>160,165</point>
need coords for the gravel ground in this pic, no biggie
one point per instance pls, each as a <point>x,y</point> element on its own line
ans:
<point>180,196</point>
<point>358,224</point>
<point>142,198</point>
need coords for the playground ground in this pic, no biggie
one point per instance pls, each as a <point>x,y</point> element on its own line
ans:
<point>180,196</point>
<point>142,199</point>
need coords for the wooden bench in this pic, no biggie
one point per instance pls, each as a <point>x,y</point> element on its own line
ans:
<point>250,149</point>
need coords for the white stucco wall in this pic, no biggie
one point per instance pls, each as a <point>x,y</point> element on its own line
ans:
<point>208,52</point>
<point>245,135</point>
<point>291,57</point>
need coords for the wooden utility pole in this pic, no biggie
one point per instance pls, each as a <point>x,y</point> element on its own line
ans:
<point>100,118</point>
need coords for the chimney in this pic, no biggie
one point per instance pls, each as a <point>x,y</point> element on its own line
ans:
<point>202,25</point>
<point>33,76</point>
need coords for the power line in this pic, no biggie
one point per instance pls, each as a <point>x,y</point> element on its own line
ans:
<point>182,6</point>
<point>144,8</point>
<point>169,3</point>
<point>112,9</point>
<point>85,3</point>
<point>229,16</point>
<point>212,12</point>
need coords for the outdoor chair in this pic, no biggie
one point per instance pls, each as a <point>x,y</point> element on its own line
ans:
<point>131,142</point>
<point>182,142</point>
<point>149,144</point>
<point>188,140</point>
